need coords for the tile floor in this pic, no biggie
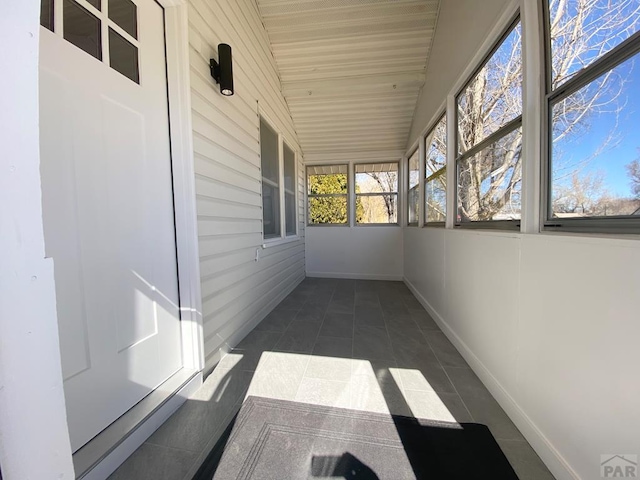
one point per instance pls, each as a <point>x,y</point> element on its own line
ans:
<point>366,345</point>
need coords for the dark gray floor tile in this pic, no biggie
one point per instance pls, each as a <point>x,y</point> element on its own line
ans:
<point>412,303</point>
<point>337,325</point>
<point>407,335</point>
<point>524,460</point>
<point>482,405</point>
<point>367,299</point>
<point>342,303</point>
<point>311,314</point>
<point>318,299</point>
<point>200,416</point>
<point>153,462</point>
<point>258,339</point>
<point>371,343</point>
<point>424,321</point>
<point>276,321</point>
<point>366,286</point>
<point>444,350</point>
<point>293,301</point>
<point>300,337</point>
<point>345,285</point>
<point>414,356</point>
<point>369,316</point>
<point>333,347</point>
<point>395,310</point>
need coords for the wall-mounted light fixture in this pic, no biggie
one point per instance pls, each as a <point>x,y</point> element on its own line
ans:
<point>222,70</point>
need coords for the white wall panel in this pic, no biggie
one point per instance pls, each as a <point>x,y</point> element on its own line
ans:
<point>549,322</point>
<point>358,252</point>
<point>237,290</point>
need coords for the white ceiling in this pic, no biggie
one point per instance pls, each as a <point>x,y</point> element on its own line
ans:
<point>351,71</point>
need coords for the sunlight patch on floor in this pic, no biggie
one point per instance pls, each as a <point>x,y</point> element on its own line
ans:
<point>347,383</point>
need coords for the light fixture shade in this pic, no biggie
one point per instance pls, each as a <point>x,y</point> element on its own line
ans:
<point>222,70</point>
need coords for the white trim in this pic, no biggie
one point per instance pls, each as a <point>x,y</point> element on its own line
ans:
<point>274,242</point>
<point>177,45</point>
<point>351,195</point>
<point>281,192</point>
<point>35,438</point>
<point>355,276</point>
<point>296,181</point>
<point>532,108</point>
<point>452,180</point>
<point>551,457</point>
<point>422,158</point>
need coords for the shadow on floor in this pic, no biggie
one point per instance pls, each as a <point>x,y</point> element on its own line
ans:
<point>363,345</point>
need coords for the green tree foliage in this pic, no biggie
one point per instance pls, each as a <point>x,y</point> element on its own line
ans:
<point>330,209</point>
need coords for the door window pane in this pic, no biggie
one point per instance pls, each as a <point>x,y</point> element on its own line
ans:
<point>125,14</point>
<point>46,14</point>
<point>95,3</point>
<point>82,29</point>
<point>123,56</point>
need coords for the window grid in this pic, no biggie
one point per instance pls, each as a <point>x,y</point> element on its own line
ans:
<point>435,201</point>
<point>477,203</point>
<point>559,90</point>
<point>330,213</point>
<point>413,188</point>
<point>52,18</point>
<point>387,184</point>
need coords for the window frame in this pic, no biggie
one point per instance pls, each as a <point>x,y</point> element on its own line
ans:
<point>296,183</point>
<point>504,130</point>
<point>381,194</point>
<point>281,141</point>
<point>308,195</point>
<point>626,50</point>
<point>418,186</point>
<point>431,131</point>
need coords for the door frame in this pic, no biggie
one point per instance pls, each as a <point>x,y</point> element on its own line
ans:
<point>183,174</point>
<point>109,449</point>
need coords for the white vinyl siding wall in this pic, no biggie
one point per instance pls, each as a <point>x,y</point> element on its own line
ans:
<point>237,290</point>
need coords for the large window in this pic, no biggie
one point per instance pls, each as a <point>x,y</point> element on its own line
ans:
<point>413,188</point>
<point>327,194</point>
<point>376,193</point>
<point>489,138</point>
<point>290,206</point>
<point>593,85</point>
<point>435,190</point>
<point>278,185</point>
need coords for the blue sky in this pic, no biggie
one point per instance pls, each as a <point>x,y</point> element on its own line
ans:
<point>623,147</point>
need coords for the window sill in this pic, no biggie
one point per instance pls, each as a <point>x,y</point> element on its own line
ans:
<point>274,242</point>
<point>377,225</point>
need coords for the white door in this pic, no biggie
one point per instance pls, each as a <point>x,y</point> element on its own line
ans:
<point>108,205</point>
